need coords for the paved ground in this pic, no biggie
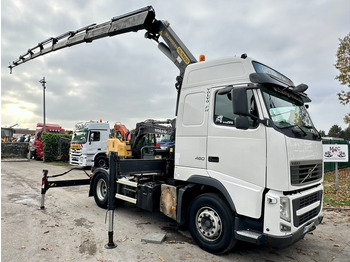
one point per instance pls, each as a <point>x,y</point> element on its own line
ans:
<point>72,228</point>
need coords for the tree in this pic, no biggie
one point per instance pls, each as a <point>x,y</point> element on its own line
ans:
<point>343,65</point>
<point>347,133</point>
<point>322,133</point>
<point>336,131</point>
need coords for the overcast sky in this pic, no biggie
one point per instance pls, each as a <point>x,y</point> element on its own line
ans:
<point>127,79</point>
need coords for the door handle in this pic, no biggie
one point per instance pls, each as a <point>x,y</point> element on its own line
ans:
<point>214,159</point>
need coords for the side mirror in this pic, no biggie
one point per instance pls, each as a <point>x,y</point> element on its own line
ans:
<point>240,107</point>
<point>240,101</point>
<point>91,137</point>
<point>242,122</point>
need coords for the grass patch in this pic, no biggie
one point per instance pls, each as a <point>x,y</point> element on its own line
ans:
<point>340,197</point>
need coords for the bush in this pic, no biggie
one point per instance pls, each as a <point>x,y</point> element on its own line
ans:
<point>52,146</point>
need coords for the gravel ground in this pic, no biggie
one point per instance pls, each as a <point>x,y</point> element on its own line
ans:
<point>73,228</point>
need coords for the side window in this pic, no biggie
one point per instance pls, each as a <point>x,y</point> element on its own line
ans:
<point>95,136</point>
<point>223,111</point>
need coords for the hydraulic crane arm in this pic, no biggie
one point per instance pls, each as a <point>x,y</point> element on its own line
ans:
<point>143,18</point>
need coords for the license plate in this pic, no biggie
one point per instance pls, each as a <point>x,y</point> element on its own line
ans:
<point>75,146</point>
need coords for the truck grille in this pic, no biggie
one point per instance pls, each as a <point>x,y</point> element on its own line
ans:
<point>305,172</point>
<point>304,202</point>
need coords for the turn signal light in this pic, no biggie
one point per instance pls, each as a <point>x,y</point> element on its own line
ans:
<point>201,58</point>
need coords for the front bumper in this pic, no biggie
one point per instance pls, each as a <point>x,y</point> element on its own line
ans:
<point>277,242</point>
<point>285,241</point>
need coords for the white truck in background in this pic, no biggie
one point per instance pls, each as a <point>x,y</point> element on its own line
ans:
<point>89,144</point>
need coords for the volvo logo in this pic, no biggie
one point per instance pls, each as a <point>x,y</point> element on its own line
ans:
<point>309,173</point>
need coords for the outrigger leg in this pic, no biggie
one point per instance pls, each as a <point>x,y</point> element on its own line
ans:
<point>111,197</point>
<point>45,184</point>
<point>43,188</point>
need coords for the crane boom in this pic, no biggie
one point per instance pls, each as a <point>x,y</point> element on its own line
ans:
<point>134,21</point>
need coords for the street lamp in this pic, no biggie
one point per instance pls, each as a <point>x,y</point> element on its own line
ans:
<point>43,82</point>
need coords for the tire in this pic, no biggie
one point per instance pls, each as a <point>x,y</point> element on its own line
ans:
<point>100,190</point>
<point>101,162</point>
<point>211,223</point>
<point>35,155</point>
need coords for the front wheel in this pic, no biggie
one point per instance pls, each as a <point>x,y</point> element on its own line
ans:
<point>100,190</point>
<point>211,223</point>
<point>101,162</point>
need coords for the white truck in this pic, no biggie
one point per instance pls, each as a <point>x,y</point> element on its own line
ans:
<point>247,160</point>
<point>89,144</point>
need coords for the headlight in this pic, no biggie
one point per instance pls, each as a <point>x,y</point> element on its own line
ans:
<point>285,208</point>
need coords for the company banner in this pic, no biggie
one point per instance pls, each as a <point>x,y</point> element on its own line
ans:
<point>335,153</point>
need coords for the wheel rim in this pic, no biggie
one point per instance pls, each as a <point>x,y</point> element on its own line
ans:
<point>208,223</point>
<point>101,189</point>
<point>101,163</point>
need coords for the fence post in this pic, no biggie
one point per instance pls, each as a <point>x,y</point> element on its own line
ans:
<point>336,176</point>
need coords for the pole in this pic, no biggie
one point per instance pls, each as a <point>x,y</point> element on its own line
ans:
<point>43,82</point>
<point>336,176</point>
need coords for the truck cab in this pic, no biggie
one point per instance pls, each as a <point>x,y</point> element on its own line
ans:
<point>89,144</point>
<point>252,139</point>
<point>37,151</point>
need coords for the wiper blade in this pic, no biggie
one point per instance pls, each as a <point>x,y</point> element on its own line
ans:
<point>291,126</point>
<point>315,133</point>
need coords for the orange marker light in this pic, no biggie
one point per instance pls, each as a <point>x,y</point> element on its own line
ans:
<point>201,58</point>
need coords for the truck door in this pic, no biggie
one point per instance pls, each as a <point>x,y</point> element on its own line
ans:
<point>191,134</point>
<point>236,157</point>
<point>94,142</point>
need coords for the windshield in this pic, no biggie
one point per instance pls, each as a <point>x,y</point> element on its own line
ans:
<point>79,136</point>
<point>287,113</point>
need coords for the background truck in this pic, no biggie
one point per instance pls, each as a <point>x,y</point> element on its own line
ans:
<point>89,144</point>
<point>247,160</point>
<point>7,134</point>
<point>37,150</point>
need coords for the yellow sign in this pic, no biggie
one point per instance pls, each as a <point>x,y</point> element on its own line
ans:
<point>75,146</point>
<point>183,55</point>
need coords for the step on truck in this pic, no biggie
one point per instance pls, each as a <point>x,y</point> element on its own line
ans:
<point>89,144</point>
<point>247,160</point>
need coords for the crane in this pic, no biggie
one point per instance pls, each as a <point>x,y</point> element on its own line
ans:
<point>141,19</point>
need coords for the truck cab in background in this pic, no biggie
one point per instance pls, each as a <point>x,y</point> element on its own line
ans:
<point>37,150</point>
<point>89,144</point>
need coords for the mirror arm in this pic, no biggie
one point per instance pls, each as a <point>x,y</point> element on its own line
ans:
<point>266,121</point>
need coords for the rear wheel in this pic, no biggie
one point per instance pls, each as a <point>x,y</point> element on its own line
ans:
<point>100,190</point>
<point>211,223</point>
